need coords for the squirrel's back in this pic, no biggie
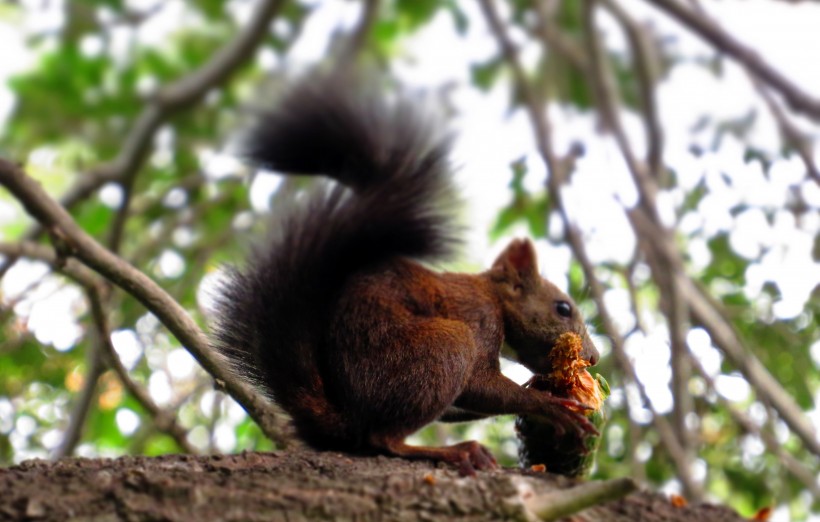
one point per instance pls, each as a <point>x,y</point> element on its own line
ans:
<point>390,203</point>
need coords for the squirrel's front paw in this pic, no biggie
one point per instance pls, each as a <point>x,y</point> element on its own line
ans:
<point>569,415</point>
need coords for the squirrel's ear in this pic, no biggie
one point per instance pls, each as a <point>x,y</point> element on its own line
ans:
<point>519,256</point>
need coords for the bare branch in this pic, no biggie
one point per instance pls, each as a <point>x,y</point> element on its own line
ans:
<point>790,132</point>
<point>358,39</point>
<point>553,39</point>
<point>645,68</point>
<point>102,352</point>
<point>675,308</point>
<point>54,218</point>
<point>708,29</point>
<point>164,420</point>
<point>608,106</point>
<point>552,506</point>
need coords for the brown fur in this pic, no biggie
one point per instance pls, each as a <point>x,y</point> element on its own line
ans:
<point>342,325</point>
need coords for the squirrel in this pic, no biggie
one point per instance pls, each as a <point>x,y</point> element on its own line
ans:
<point>339,319</point>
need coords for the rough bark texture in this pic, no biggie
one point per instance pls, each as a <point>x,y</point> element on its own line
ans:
<point>295,486</point>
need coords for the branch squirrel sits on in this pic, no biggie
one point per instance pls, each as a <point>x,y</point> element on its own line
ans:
<point>338,320</point>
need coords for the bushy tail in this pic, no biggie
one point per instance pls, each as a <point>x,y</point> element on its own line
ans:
<point>273,314</point>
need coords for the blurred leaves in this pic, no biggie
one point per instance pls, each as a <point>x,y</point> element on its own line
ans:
<point>79,100</point>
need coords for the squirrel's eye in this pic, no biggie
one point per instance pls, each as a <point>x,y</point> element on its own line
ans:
<point>563,308</point>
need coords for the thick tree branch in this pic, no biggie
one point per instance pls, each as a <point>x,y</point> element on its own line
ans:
<point>54,218</point>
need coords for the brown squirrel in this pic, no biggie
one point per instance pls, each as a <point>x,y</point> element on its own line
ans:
<point>338,320</point>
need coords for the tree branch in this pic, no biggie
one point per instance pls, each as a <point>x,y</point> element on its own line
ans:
<point>791,134</point>
<point>706,313</point>
<point>558,504</point>
<point>54,218</point>
<point>102,353</point>
<point>164,420</point>
<point>179,95</point>
<point>646,72</point>
<point>710,31</point>
<point>674,308</point>
<point>82,404</point>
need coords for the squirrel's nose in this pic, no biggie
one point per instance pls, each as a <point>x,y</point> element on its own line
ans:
<point>593,359</point>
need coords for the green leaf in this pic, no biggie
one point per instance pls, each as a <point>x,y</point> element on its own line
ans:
<point>484,75</point>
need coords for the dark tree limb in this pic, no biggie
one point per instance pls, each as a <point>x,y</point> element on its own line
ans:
<point>697,21</point>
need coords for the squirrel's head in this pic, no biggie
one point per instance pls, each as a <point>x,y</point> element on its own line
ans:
<point>535,311</point>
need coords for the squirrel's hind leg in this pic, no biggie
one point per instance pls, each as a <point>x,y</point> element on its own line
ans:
<point>466,456</point>
<point>415,370</point>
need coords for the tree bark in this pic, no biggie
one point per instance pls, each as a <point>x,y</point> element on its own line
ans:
<point>302,485</point>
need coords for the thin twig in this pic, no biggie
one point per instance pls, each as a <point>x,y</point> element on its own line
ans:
<point>606,94</point>
<point>566,502</point>
<point>358,39</point>
<point>552,38</point>
<point>791,134</point>
<point>646,72</point>
<point>675,309</point>
<point>183,93</point>
<point>82,404</point>
<point>165,420</point>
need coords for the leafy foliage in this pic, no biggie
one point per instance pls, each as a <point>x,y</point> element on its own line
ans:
<point>91,78</point>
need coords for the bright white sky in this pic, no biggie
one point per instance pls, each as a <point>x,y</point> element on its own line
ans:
<point>490,137</point>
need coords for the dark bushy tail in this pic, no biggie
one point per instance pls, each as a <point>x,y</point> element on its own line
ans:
<point>273,315</point>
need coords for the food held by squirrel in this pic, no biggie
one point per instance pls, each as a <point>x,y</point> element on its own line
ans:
<point>338,317</point>
<point>541,442</point>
